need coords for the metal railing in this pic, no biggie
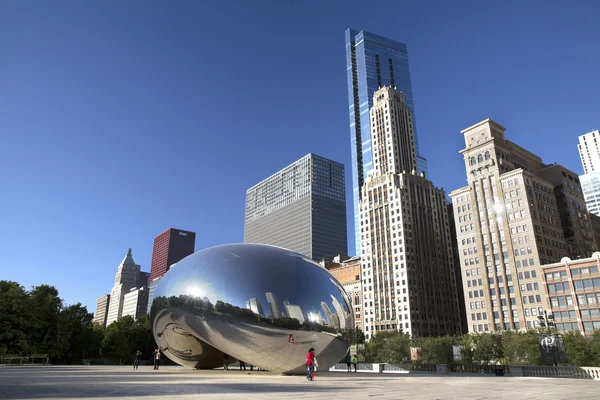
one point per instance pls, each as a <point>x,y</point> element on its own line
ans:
<point>479,369</point>
<point>20,360</point>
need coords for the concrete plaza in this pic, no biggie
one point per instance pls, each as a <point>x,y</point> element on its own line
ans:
<point>121,382</point>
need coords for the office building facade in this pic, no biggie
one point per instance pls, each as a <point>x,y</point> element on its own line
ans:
<point>135,303</point>
<point>573,287</point>
<point>508,224</point>
<point>372,62</point>
<point>170,247</point>
<point>128,277</point>
<point>589,151</point>
<point>348,274</point>
<point>406,249</point>
<point>301,208</point>
<point>101,313</point>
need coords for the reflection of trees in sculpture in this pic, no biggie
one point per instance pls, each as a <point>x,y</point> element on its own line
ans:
<point>203,305</point>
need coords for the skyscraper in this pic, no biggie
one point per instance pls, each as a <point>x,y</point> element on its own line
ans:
<point>515,215</point>
<point>102,310</point>
<point>135,303</point>
<point>170,247</point>
<point>589,151</point>
<point>372,61</point>
<point>128,277</point>
<point>406,250</point>
<point>301,208</point>
<point>273,305</point>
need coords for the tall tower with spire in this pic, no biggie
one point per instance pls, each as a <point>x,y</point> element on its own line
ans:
<point>128,277</point>
<point>406,251</point>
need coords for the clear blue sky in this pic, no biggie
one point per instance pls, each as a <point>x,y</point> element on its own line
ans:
<point>120,119</point>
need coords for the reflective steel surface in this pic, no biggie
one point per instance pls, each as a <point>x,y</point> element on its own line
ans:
<point>245,300</point>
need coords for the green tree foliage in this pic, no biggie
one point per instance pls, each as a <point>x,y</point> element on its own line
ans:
<point>388,347</point>
<point>15,320</point>
<point>436,350</point>
<point>36,322</point>
<point>521,348</point>
<point>579,349</point>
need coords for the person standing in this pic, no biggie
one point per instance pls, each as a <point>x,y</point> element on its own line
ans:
<point>349,362</point>
<point>311,364</point>
<point>156,357</point>
<point>136,361</point>
<point>355,361</point>
<point>242,364</point>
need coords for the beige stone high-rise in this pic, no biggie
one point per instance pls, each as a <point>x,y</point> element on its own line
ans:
<point>406,250</point>
<point>508,224</point>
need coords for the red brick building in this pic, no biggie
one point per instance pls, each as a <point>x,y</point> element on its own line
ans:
<point>573,288</point>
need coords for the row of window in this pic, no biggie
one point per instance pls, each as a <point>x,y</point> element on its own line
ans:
<point>480,158</point>
<point>583,299</point>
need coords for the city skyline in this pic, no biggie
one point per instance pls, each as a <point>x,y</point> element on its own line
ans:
<point>93,131</point>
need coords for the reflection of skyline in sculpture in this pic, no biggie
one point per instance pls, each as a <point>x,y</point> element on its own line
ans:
<point>273,305</point>
<point>254,305</point>
<point>315,317</point>
<point>344,318</point>
<point>294,311</point>
<point>332,319</point>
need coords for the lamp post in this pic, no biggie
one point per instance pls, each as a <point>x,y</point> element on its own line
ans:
<point>547,321</point>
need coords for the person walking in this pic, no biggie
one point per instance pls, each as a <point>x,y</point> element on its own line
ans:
<point>311,364</point>
<point>242,364</point>
<point>136,360</point>
<point>225,362</point>
<point>156,357</point>
<point>355,361</point>
<point>349,362</point>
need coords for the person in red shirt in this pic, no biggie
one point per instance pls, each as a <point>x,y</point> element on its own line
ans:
<point>311,363</point>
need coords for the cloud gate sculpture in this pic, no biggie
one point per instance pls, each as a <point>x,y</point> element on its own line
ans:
<point>245,300</point>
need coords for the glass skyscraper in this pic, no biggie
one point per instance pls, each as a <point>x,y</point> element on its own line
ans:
<point>372,61</point>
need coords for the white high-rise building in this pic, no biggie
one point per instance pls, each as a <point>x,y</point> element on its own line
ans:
<point>135,303</point>
<point>589,151</point>
<point>127,278</point>
<point>406,251</point>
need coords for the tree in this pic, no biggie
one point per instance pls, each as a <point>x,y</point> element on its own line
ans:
<point>487,348</point>
<point>46,306</point>
<point>115,346</point>
<point>16,319</point>
<point>594,349</point>
<point>437,350</point>
<point>579,350</point>
<point>74,333</point>
<point>388,347</point>
<point>521,348</point>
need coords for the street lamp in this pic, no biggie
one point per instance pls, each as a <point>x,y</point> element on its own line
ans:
<point>547,321</point>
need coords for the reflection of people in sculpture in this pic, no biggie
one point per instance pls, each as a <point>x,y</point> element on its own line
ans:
<point>311,363</point>
<point>242,364</point>
<point>291,339</point>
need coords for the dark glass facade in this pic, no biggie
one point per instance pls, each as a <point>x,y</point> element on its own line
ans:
<point>170,247</point>
<point>372,61</point>
<point>301,208</point>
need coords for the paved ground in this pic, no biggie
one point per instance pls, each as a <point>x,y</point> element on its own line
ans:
<point>83,382</point>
